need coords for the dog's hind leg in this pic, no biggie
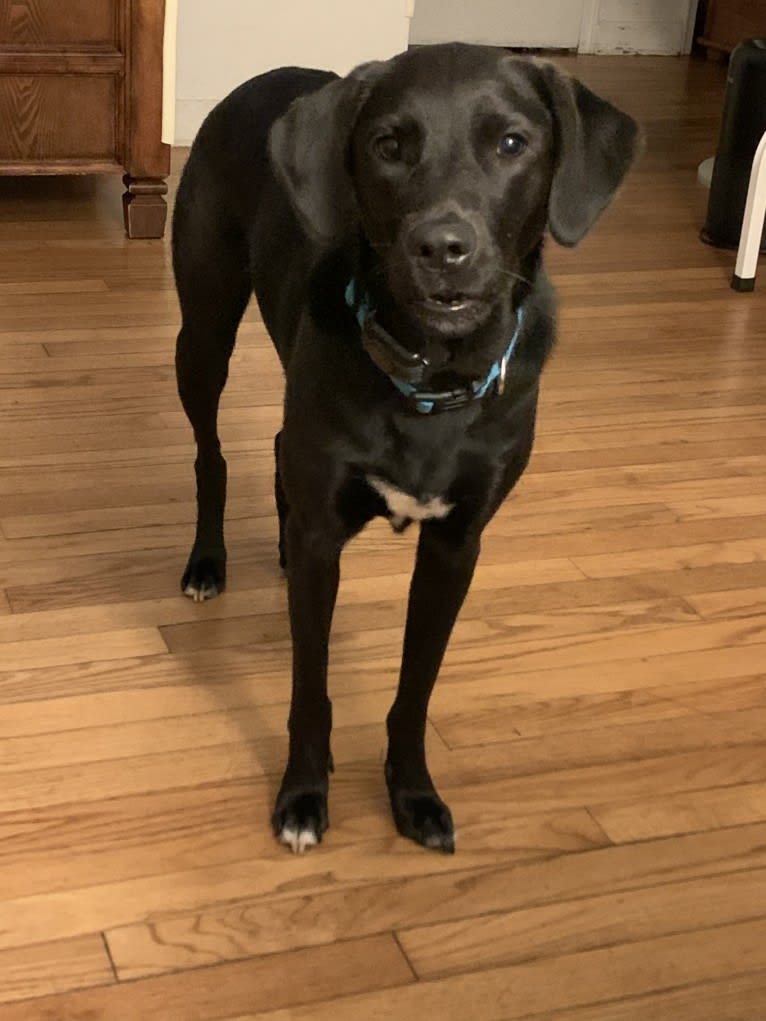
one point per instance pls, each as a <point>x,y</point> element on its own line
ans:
<point>443,571</point>
<point>214,288</point>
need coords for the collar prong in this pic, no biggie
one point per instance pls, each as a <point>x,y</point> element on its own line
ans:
<point>502,375</point>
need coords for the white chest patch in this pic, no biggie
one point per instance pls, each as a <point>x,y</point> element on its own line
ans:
<point>404,507</point>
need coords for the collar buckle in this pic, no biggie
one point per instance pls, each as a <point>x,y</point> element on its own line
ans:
<point>390,357</point>
<point>442,400</point>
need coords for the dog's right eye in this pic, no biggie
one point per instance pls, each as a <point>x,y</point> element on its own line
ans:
<point>388,147</point>
<point>511,144</point>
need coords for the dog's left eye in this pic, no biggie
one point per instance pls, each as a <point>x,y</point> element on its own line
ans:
<point>388,147</point>
<point>511,145</point>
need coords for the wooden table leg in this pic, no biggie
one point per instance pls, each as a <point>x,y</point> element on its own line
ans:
<point>144,207</point>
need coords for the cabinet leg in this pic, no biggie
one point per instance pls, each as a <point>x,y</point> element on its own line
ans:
<point>144,206</point>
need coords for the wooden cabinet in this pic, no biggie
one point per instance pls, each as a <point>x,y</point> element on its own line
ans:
<point>728,22</point>
<point>81,92</point>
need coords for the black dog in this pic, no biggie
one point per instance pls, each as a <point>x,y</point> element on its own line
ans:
<point>391,225</point>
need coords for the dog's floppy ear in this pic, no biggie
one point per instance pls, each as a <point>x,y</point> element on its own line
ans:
<point>596,145</point>
<point>308,150</point>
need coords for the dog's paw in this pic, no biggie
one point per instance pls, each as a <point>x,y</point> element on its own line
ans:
<point>300,820</point>
<point>204,577</point>
<point>423,817</point>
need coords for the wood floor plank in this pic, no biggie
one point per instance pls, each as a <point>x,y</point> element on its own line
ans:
<point>748,693</point>
<point>737,998</point>
<point>600,439</point>
<point>48,968</point>
<point>46,652</point>
<point>252,927</point>
<point>10,290</point>
<point>720,507</point>
<point>584,486</point>
<point>565,750</point>
<point>496,719</point>
<point>547,985</point>
<point>660,453</point>
<point>676,558</point>
<point>683,772</point>
<point>644,651</point>
<point>76,426</point>
<point>205,994</point>
<point>568,927</point>
<point>50,692</point>
<point>737,603</point>
<point>584,545</point>
<point>713,578</point>
<point>689,812</point>
<point>649,671</point>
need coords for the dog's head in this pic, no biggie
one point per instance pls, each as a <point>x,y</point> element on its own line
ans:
<point>450,161</point>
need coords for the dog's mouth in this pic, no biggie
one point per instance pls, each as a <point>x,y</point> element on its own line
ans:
<point>450,302</point>
<point>451,312</point>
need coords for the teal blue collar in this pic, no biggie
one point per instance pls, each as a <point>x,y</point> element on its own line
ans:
<point>406,368</point>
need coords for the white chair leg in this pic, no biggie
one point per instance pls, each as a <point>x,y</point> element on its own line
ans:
<point>752,223</point>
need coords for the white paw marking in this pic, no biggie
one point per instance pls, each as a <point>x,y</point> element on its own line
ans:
<point>404,507</point>
<point>435,842</point>
<point>298,840</point>
<point>199,595</point>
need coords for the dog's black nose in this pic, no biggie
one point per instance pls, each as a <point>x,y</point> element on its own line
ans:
<point>444,244</point>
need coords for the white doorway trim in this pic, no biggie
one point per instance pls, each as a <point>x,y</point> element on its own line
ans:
<point>588,26</point>
<point>622,26</point>
<point>691,21</point>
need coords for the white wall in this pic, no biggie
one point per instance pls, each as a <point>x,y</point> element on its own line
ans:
<point>221,43</point>
<point>546,23</point>
<point>593,26</point>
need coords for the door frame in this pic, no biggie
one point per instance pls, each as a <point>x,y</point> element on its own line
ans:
<point>589,24</point>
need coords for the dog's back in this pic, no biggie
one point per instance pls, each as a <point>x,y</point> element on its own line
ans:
<point>228,194</point>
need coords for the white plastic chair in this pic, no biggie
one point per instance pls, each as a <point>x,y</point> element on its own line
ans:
<point>752,223</point>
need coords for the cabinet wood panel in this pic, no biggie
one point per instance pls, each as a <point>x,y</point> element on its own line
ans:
<point>728,22</point>
<point>36,23</point>
<point>58,117</point>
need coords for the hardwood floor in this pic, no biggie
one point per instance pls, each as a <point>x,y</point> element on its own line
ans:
<point>599,727</point>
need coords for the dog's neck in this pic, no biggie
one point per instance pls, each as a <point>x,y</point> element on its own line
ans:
<point>439,373</point>
<point>411,372</point>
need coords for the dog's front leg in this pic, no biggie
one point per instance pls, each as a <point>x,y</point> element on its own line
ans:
<point>443,571</point>
<point>300,816</point>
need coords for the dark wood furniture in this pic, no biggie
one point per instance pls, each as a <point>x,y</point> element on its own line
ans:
<point>81,93</point>
<point>728,22</point>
